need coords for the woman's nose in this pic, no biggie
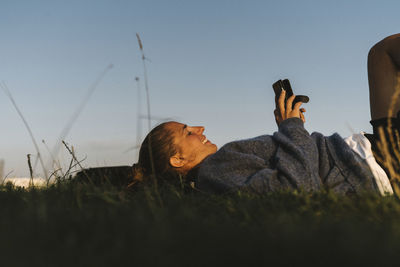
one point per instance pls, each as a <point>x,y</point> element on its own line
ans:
<point>200,129</point>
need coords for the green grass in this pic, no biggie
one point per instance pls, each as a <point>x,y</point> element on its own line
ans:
<point>71,224</point>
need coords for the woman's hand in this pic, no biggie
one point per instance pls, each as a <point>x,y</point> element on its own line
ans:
<point>282,113</point>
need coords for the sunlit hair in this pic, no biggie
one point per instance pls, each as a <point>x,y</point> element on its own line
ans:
<point>156,150</point>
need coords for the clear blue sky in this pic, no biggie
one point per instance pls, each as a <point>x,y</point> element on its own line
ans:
<point>212,63</point>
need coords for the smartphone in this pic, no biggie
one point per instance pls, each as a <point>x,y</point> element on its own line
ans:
<point>285,85</point>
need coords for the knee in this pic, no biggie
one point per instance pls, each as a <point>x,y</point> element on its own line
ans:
<point>378,49</point>
<point>383,46</point>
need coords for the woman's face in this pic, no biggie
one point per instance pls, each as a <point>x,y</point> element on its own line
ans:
<point>193,146</point>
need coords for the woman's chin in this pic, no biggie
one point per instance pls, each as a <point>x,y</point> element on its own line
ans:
<point>213,147</point>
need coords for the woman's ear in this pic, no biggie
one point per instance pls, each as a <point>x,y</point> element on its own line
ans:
<point>176,161</point>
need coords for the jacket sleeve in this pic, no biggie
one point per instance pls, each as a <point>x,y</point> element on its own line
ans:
<point>288,159</point>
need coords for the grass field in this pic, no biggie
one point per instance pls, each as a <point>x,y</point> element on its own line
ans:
<point>70,224</point>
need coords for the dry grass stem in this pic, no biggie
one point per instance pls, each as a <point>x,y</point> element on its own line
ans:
<point>1,169</point>
<point>8,93</point>
<point>390,149</point>
<point>30,169</point>
<point>140,42</point>
<point>56,163</point>
<point>153,171</point>
<point>139,109</point>
<point>78,110</point>
<point>72,153</point>
<point>6,176</point>
<point>54,174</point>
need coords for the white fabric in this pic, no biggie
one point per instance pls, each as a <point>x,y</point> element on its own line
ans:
<point>361,145</point>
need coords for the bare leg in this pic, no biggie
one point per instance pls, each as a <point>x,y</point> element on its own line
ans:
<point>384,76</point>
<point>384,81</point>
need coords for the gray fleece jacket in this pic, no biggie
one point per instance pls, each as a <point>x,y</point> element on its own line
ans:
<point>289,159</point>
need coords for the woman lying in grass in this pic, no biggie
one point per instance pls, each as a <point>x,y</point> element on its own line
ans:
<point>291,158</point>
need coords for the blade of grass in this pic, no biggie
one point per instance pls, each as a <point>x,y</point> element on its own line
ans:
<point>8,93</point>
<point>390,160</point>
<point>1,169</point>
<point>55,162</point>
<point>146,85</point>
<point>77,161</point>
<point>30,170</point>
<point>139,109</point>
<point>78,110</point>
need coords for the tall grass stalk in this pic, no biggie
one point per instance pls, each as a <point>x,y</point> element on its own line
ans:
<point>392,108</point>
<point>138,118</point>
<point>56,163</point>
<point>159,119</point>
<point>6,176</point>
<point>146,85</point>
<point>391,161</point>
<point>1,170</point>
<point>139,109</point>
<point>78,111</point>
<point>9,95</point>
<point>71,151</point>
<point>30,169</point>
